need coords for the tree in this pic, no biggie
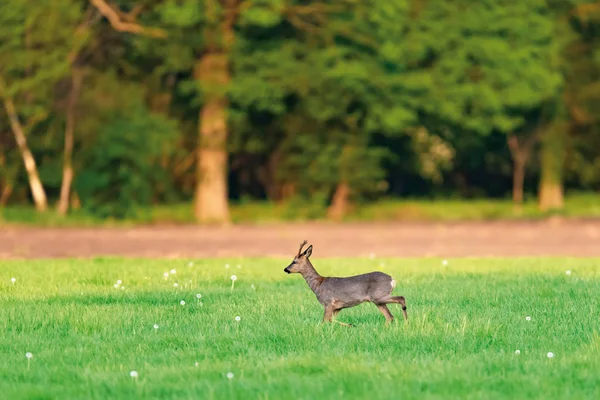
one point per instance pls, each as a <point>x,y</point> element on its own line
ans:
<point>490,67</point>
<point>553,150</point>
<point>9,164</point>
<point>68,173</point>
<point>107,191</point>
<point>37,188</point>
<point>81,36</point>
<point>200,36</point>
<point>212,71</point>
<point>323,93</point>
<point>582,94</point>
<point>520,151</point>
<point>35,40</point>
<point>224,25</point>
<point>320,105</point>
<point>126,22</point>
<point>576,21</point>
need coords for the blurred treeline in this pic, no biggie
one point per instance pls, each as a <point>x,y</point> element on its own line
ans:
<point>113,104</point>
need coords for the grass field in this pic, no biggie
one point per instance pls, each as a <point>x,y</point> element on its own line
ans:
<point>467,319</point>
<point>577,205</point>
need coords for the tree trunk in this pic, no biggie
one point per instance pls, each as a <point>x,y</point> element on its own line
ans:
<point>67,176</point>
<point>552,159</point>
<point>520,155</point>
<point>6,192</point>
<point>37,189</point>
<point>161,99</point>
<point>277,191</point>
<point>211,200</point>
<point>6,183</point>
<point>518,181</point>
<point>267,175</point>
<point>287,190</point>
<point>339,204</point>
<point>75,201</point>
<point>213,72</point>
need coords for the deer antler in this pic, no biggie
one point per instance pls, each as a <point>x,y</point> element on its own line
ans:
<point>301,246</point>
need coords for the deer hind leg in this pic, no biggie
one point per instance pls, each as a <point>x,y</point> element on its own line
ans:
<point>386,313</point>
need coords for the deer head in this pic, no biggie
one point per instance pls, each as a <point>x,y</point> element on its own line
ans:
<point>301,262</point>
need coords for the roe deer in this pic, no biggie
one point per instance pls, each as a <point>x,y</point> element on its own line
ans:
<point>336,294</point>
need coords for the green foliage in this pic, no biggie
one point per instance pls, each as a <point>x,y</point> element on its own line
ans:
<point>86,335</point>
<point>121,167</point>
<point>36,38</point>
<point>490,62</point>
<point>263,13</point>
<point>391,98</point>
<point>324,99</point>
<point>435,154</point>
<point>582,65</point>
<point>182,20</point>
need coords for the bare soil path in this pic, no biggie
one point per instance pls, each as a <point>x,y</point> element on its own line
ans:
<point>548,238</point>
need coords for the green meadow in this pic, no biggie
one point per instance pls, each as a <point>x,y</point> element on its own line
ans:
<point>577,205</point>
<point>467,319</point>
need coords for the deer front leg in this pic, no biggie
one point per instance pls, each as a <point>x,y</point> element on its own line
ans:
<point>335,313</point>
<point>328,317</point>
<point>330,314</point>
<point>396,300</point>
<point>402,301</point>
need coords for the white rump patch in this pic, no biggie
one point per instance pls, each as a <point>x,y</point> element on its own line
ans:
<point>393,283</point>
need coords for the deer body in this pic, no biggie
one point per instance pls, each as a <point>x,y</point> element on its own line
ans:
<point>337,293</point>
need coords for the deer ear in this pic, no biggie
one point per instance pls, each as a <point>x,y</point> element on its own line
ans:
<point>307,253</point>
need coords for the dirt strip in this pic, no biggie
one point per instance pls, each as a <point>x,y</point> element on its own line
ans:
<point>548,238</point>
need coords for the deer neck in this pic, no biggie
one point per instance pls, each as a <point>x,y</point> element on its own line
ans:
<point>312,278</point>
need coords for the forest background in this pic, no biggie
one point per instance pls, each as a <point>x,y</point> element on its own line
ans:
<point>248,110</point>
